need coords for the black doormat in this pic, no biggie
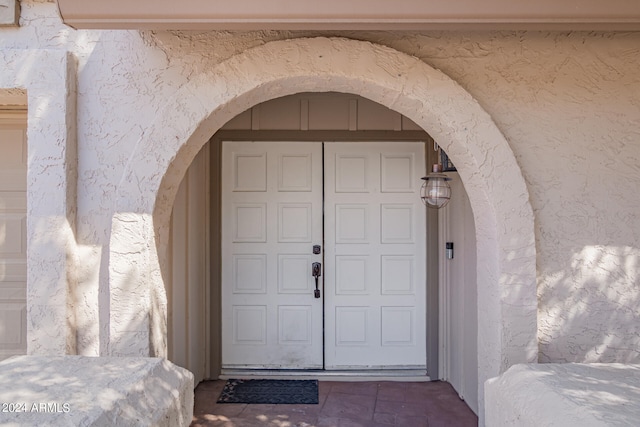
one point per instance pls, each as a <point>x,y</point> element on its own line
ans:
<point>270,391</point>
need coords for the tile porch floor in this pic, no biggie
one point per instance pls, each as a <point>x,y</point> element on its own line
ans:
<point>342,404</point>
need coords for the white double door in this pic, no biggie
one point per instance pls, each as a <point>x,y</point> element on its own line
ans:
<point>359,203</point>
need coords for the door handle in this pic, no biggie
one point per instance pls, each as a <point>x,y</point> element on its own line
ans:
<point>316,271</point>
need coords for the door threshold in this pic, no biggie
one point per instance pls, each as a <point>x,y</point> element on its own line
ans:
<point>403,375</point>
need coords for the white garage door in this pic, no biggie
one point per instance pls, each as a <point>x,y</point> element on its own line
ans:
<point>13,247</point>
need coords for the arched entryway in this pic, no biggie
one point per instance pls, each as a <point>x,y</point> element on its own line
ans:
<point>491,176</point>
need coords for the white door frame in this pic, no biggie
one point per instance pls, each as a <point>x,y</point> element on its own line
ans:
<point>419,164</point>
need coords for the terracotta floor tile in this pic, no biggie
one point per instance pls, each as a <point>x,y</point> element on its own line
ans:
<point>210,420</point>
<point>403,408</point>
<point>460,416</point>
<point>351,406</point>
<point>343,404</point>
<point>346,422</point>
<point>396,392</point>
<point>328,421</point>
<point>228,409</point>
<point>300,409</point>
<point>326,385</point>
<point>323,390</point>
<point>280,419</point>
<point>364,388</point>
<point>386,419</point>
<point>402,421</point>
<point>283,416</point>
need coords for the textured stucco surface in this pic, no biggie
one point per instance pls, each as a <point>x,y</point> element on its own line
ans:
<point>569,394</point>
<point>399,81</point>
<point>567,104</point>
<point>49,79</point>
<point>95,391</point>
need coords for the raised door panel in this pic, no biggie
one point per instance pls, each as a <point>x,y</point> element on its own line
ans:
<point>294,222</point>
<point>295,172</point>
<point>12,326</point>
<point>397,174</point>
<point>351,223</point>
<point>351,174</point>
<point>249,222</point>
<point>351,276</point>
<point>12,231</point>
<point>249,172</point>
<point>397,223</point>
<point>295,325</point>
<point>249,273</point>
<point>294,274</point>
<point>397,274</point>
<point>352,327</point>
<point>249,324</point>
<point>398,326</point>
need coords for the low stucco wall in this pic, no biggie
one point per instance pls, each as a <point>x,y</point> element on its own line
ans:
<point>564,395</point>
<point>94,391</point>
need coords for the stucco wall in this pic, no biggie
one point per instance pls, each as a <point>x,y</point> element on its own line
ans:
<point>568,103</point>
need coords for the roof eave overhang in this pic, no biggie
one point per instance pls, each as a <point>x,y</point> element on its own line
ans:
<point>408,15</point>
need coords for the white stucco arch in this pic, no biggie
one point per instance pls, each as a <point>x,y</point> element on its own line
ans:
<point>497,191</point>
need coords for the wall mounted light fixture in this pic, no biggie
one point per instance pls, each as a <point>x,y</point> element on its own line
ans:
<point>435,192</point>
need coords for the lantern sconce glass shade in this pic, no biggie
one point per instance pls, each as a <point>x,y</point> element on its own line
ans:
<point>435,191</point>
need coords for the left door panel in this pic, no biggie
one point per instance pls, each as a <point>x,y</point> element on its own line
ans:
<point>271,218</point>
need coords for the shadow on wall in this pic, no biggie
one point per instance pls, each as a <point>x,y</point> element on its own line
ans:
<point>590,311</point>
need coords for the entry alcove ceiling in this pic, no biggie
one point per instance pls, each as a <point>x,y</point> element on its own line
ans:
<point>621,15</point>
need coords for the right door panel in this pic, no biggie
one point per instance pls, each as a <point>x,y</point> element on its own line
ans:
<point>375,291</point>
